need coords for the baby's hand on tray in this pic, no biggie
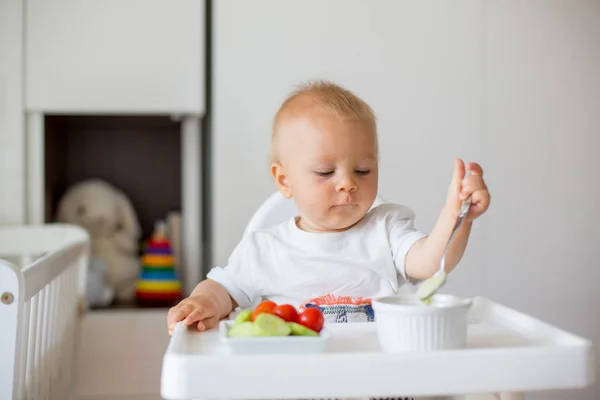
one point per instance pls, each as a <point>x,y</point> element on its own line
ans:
<point>201,309</point>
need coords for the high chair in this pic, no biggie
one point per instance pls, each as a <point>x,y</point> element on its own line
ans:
<point>508,353</point>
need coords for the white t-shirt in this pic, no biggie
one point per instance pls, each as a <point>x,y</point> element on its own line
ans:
<point>288,265</point>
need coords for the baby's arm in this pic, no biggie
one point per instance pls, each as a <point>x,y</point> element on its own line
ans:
<point>424,258</point>
<point>224,290</point>
<point>208,303</point>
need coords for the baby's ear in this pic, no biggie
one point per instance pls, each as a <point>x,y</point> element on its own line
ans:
<point>280,179</point>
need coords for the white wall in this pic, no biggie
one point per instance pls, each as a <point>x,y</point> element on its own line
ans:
<point>12,168</point>
<point>513,85</point>
<point>542,126</point>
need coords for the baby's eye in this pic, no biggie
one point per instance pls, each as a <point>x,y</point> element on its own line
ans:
<point>324,173</point>
<point>362,171</point>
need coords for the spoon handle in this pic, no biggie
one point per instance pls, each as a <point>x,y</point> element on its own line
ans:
<point>462,214</point>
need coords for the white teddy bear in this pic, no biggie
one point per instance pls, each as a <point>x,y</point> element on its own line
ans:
<point>108,215</point>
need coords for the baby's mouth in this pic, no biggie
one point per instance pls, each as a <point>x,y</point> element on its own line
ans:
<point>345,205</point>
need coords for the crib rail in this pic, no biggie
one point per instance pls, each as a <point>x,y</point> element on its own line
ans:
<point>40,292</point>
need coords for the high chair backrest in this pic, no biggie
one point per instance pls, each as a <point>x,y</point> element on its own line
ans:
<point>277,209</point>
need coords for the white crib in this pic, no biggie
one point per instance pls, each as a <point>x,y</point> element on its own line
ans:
<point>42,284</point>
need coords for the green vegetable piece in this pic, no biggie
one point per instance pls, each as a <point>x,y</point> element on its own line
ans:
<point>270,325</point>
<point>243,329</point>
<point>301,330</point>
<point>243,316</point>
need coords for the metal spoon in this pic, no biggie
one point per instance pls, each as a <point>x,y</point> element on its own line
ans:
<point>437,280</point>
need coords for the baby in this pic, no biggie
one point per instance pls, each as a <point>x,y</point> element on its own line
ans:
<point>341,250</point>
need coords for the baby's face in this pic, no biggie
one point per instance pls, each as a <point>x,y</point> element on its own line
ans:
<point>330,167</point>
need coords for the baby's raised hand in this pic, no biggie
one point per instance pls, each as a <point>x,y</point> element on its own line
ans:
<point>202,309</point>
<point>462,187</point>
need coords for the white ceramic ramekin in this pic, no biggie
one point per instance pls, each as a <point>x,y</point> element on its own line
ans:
<point>405,324</point>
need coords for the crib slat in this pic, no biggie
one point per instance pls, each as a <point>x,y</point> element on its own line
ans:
<point>44,345</point>
<point>52,365</point>
<point>44,355</point>
<point>56,359</point>
<point>21,389</point>
<point>50,346</point>
<point>66,338</point>
<point>57,345</point>
<point>69,361</point>
<point>61,335</point>
<point>72,315</point>
<point>33,346</point>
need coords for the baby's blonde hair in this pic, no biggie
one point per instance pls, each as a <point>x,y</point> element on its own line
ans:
<point>326,97</point>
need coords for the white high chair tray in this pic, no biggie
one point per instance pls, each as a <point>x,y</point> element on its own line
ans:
<point>507,351</point>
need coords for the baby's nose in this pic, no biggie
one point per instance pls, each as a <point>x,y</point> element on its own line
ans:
<point>346,184</point>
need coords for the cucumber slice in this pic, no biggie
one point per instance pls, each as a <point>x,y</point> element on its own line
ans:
<point>243,316</point>
<point>243,329</point>
<point>270,325</point>
<point>301,330</point>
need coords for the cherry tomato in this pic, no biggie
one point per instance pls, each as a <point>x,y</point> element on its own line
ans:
<point>264,307</point>
<point>312,318</point>
<point>287,312</point>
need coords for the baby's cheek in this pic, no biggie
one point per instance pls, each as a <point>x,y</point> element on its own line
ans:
<point>317,197</point>
<point>312,206</point>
